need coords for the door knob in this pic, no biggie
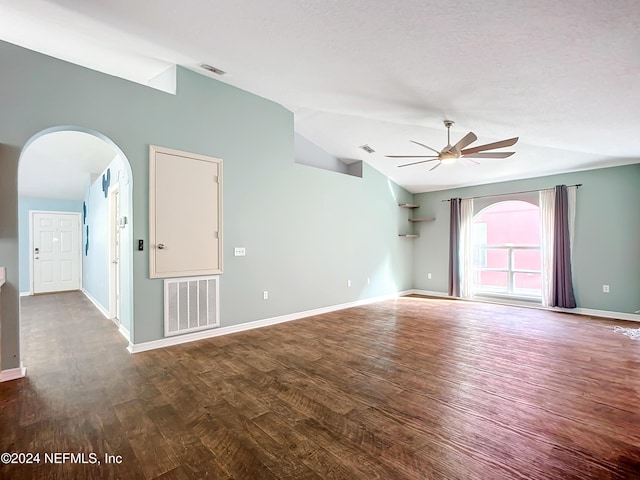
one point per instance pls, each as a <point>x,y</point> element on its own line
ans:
<point>161,246</point>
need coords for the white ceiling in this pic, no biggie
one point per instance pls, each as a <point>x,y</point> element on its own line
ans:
<point>564,76</point>
<point>60,165</point>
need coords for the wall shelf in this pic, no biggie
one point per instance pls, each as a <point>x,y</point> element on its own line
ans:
<point>412,219</point>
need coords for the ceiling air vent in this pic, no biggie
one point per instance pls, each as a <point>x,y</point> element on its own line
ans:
<point>212,69</point>
<point>367,148</point>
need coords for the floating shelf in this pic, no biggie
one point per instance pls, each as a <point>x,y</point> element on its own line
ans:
<point>413,220</point>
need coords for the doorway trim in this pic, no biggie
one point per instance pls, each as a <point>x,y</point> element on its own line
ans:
<point>114,261</point>
<point>31,265</point>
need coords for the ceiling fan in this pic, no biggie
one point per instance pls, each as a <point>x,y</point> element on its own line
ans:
<point>451,154</point>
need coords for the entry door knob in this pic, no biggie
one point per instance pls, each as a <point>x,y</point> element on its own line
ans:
<point>161,246</point>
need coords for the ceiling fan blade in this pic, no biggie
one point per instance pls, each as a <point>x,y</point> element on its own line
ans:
<point>490,146</point>
<point>425,146</point>
<point>489,155</point>
<point>411,156</point>
<point>436,166</point>
<point>464,141</point>
<point>416,163</point>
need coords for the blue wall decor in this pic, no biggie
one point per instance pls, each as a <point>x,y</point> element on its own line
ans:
<point>106,181</point>
<point>86,243</point>
<point>84,212</point>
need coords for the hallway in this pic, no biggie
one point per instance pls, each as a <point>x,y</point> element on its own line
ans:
<point>77,368</point>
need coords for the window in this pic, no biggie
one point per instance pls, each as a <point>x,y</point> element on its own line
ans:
<point>480,240</point>
<point>506,243</point>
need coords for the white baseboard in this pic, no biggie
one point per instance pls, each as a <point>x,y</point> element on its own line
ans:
<point>13,373</point>
<point>124,332</point>
<point>590,312</point>
<point>216,332</point>
<point>579,311</point>
<point>26,294</point>
<point>431,293</point>
<point>97,304</point>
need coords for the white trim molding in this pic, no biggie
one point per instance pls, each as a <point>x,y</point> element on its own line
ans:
<point>217,332</point>
<point>124,332</point>
<point>589,312</point>
<point>121,329</point>
<point>26,294</point>
<point>13,373</point>
<point>97,304</point>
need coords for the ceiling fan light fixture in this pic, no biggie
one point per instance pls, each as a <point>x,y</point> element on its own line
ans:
<point>451,153</point>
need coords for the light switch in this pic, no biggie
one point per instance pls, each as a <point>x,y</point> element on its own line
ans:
<point>239,252</point>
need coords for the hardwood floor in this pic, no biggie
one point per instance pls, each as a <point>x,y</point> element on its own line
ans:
<point>407,389</point>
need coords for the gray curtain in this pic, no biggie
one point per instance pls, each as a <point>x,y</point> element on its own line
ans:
<point>454,248</point>
<point>562,293</point>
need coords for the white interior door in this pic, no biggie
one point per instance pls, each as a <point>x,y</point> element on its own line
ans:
<point>185,214</point>
<point>56,251</point>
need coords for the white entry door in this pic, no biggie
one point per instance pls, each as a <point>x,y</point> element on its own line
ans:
<point>56,252</point>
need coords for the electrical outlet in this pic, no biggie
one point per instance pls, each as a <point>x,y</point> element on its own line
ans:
<point>348,283</point>
<point>368,280</point>
<point>239,251</point>
<point>605,288</point>
<point>265,295</point>
<point>429,276</point>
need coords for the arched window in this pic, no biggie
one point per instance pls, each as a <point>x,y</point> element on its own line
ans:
<point>506,239</point>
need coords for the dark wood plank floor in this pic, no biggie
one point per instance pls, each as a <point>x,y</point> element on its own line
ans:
<point>406,389</point>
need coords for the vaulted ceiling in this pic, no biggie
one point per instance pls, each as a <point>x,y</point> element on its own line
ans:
<point>563,76</point>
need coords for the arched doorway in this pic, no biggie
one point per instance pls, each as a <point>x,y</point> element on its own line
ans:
<point>506,243</point>
<point>66,172</point>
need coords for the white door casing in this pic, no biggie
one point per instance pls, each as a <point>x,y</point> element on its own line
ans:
<point>114,252</point>
<point>55,251</point>
<point>185,214</point>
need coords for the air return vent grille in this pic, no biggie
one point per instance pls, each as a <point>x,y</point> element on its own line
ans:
<point>190,304</point>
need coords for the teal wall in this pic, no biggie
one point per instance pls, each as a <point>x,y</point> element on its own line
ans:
<point>607,235</point>
<point>95,259</point>
<point>307,231</point>
<point>43,204</point>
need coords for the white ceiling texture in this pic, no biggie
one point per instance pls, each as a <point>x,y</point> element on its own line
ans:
<point>564,76</point>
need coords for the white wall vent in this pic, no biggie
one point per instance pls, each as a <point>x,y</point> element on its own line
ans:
<point>190,304</point>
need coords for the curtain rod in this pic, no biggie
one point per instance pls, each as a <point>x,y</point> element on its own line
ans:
<point>512,193</point>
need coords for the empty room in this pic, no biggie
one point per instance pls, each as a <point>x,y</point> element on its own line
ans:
<point>319,240</point>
